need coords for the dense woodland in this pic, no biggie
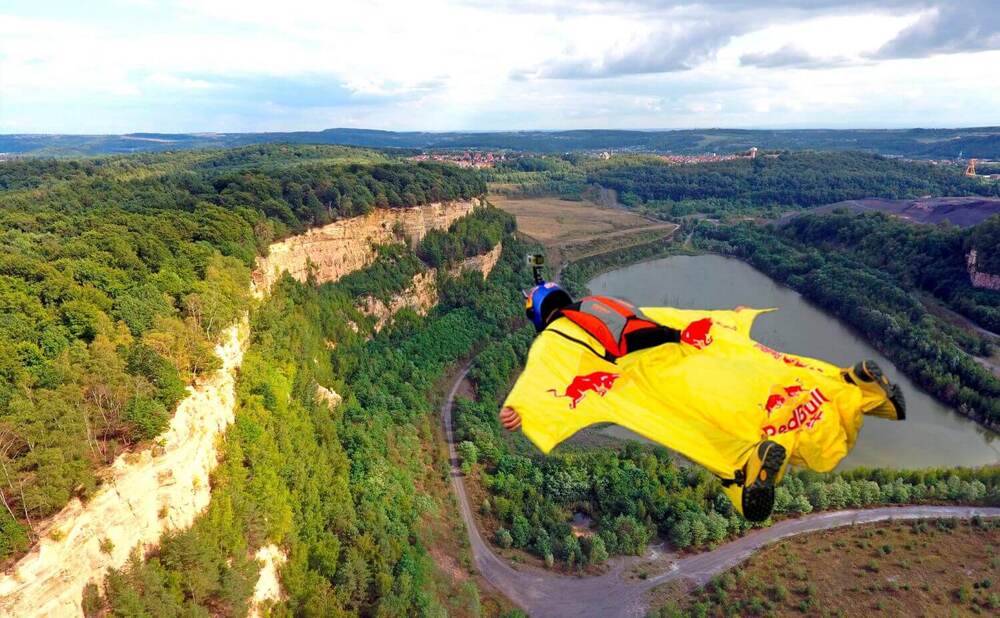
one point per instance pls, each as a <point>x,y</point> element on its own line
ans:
<point>117,276</point>
<point>344,489</point>
<point>770,185</point>
<point>926,257</point>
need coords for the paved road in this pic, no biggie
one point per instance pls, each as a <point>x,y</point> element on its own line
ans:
<point>544,594</point>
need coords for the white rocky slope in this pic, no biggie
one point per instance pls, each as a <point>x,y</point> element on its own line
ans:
<point>147,493</point>
<point>166,486</point>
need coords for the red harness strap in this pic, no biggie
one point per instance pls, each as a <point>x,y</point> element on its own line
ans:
<point>608,320</point>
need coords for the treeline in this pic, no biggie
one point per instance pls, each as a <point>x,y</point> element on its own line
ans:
<point>796,179</point>
<point>534,176</point>
<point>878,306</point>
<point>346,491</point>
<point>30,173</point>
<point>983,142</point>
<point>576,274</point>
<point>928,257</point>
<point>115,282</point>
<point>634,492</point>
<point>314,194</point>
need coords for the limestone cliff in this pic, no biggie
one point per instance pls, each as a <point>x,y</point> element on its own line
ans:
<point>422,294</point>
<point>483,263</point>
<point>161,488</point>
<point>344,246</point>
<point>980,279</point>
<point>166,486</point>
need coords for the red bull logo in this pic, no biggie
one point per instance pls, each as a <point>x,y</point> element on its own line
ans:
<point>804,415</point>
<point>698,333</point>
<point>599,382</point>
<point>780,395</point>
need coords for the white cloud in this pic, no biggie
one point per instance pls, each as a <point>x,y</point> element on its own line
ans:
<point>263,65</point>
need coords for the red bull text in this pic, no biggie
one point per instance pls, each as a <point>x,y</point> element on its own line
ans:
<point>599,382</point>
<point>785,358</point>
<point>804,415</point>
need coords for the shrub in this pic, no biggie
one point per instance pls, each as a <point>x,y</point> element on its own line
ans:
<point>503,538</point>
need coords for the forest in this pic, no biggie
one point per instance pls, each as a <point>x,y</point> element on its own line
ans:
<point>772,184</point>
<point>117,276</point>
<point>926,257</point>
<point>343,488</point>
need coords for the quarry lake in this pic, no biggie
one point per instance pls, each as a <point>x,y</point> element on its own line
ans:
<point>932,435</point>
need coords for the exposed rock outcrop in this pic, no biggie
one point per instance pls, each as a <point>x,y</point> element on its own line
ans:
<point>980,279</point>
<point>344,246</point>
<point>148,492</point>
<point>327,396</point>
<point>483,263</point>
<point>267,591</point>
<point>422,294</point>
<point>166,486</point>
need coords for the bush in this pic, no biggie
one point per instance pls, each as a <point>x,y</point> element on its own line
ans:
<point>504,539</point>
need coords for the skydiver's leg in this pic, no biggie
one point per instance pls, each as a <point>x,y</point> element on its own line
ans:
<point>752,492</point>
<point>881,397</point>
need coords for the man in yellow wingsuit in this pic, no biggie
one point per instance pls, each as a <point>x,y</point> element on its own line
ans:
<point>695,382</point>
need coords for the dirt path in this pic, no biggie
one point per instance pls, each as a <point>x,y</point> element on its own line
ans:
<point>544,594</point>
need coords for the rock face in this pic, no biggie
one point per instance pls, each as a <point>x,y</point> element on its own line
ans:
<point>342,247</point>
<point>267,591</point>
<point>422,294</point>
<point>327,396</point>
<point>165,487</point>
<point>147,493</point>
<point>483,263</point>
<point>980,279</point>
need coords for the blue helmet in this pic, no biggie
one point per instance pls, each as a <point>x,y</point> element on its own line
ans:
<point>542,300</point>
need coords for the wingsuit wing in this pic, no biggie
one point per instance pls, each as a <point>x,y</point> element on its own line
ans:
<point>711,398</point>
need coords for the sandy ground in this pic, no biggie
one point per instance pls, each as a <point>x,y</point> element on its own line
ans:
<point>147,493</point>
<point>544,594</point>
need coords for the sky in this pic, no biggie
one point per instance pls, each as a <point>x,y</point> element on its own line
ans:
<point>118,66</point>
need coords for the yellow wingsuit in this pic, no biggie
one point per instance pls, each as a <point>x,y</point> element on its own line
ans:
<point>712,399</point>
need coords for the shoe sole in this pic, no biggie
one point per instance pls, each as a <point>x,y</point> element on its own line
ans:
<point>895,394</point>
<point>758,497</point>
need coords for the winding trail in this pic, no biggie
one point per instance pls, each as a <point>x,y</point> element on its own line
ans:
<point>544,594</point>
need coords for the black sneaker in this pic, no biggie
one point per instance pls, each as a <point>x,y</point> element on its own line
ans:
<point>868,376</point>
<point>762,474</point>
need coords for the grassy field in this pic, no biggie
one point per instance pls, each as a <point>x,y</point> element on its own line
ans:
<point>923,568</point>
<point>570,230</point>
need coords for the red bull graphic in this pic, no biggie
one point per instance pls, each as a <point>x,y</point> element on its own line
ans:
<point>804,415</point>
<point>780,395</point>
<point>698,333</point>
<point>785,358</point>
<point>599,382</point>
